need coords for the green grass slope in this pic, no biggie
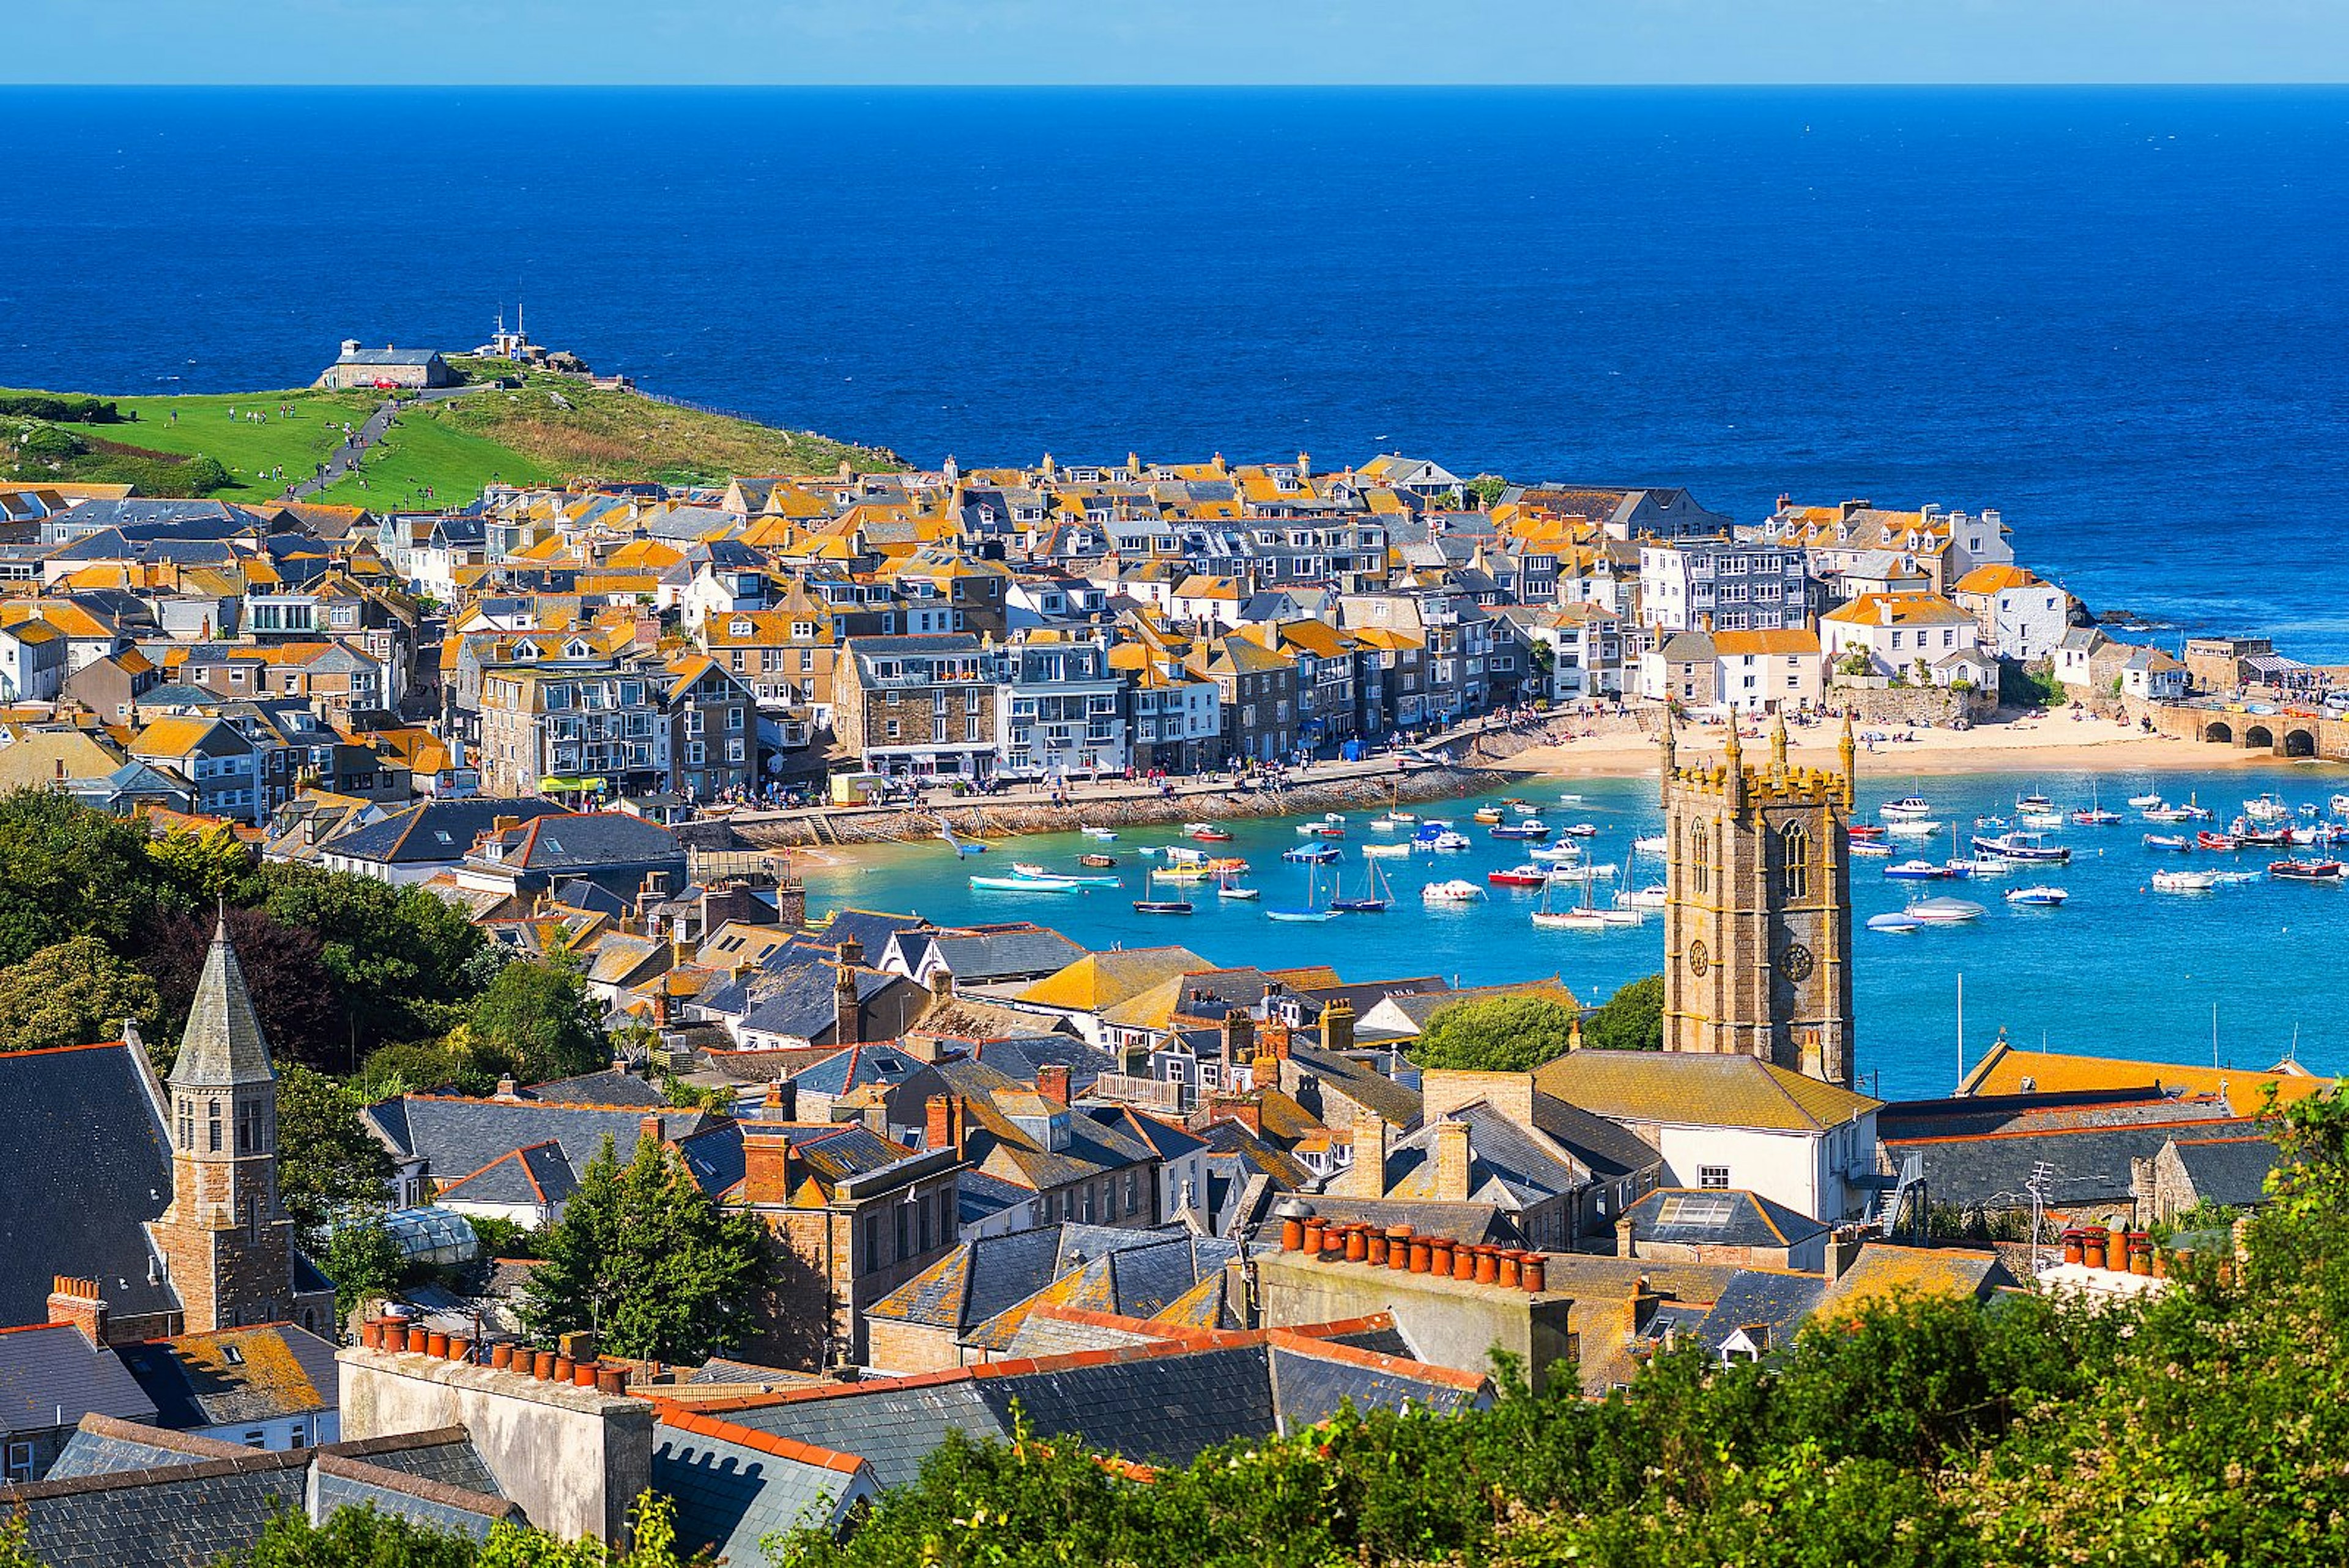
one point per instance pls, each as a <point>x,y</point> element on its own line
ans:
<point>547,429</point>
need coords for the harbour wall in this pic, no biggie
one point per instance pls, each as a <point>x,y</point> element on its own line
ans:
<point>1109,805</point>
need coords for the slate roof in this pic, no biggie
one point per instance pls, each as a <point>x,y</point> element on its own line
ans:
<point>1686,1217</point>
<point>1505,1163</point>
<point>605,1088</point>
<point>871,928</point>
<point>222,1044</point>
<point>2091,1163</point>
<point>978,958</point>
<point>2229,1171</point>
<point>235,1374</point>
<point>1163,1403</point>
<point>48,1368</point>
<point>337,1482</point>
<point>1316,1383</point>
<point>435,830</point>
<point>85,1148</point>
<point>1392,1103</point>
<point>588,841</point>
<point>105,1444</point>
<point>733,1485</point>
<point>188,1516</point>
<point>1697,1091</point>
<point>456,1137</point>
<point>538,1176</point>
<point>854,1068</point>
<point>1779,1301</point>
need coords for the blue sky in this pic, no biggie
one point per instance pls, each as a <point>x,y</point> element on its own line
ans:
<point>1172,41</point>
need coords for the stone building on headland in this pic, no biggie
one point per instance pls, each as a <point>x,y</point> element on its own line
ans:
<point>384,368</point>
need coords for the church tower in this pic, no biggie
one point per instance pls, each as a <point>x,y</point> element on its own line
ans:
<point>1757,916</point>
<point>225,1237</point>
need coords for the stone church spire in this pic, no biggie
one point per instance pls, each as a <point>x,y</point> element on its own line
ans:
<point>223,1046</point>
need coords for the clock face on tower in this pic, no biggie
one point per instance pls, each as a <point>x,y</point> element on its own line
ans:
<point>1796,963</point>
<point>1700,958</point>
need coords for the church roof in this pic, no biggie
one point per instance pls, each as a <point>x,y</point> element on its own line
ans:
<point>223,1045</point>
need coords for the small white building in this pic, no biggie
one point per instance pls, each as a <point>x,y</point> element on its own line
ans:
<point>2021,615</point>
<point>1767,671</point>
<point>1733,1123</point>
<point>1897,633</point>
<point>32,661</point>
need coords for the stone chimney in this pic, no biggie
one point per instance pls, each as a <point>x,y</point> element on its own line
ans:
<point>1626,1244</point>
<point>1367,1177</point>
<point>1451,1173</point>
<point>1338,1026</point>
<point>1272,1043</point>
<point>847,1016</point>
<point>1052,1084</point>
<point>1843,1250</point>
<point>1640,1307</point>
<point>1239,1037</point>
<point>77,1302</point>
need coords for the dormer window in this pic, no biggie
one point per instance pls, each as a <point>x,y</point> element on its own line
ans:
<point>739,626</point>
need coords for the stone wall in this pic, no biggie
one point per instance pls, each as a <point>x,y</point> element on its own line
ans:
<point>1451,1322</point>
<point>1934,706</point>
<point>572,1459</point>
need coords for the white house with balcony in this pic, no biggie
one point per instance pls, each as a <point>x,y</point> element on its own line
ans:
<point>1061,708</point>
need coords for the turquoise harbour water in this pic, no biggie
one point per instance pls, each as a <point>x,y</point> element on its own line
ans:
<point>2119,969</point>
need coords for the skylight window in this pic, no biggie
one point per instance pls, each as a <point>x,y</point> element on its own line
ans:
<point>1688,1210</point>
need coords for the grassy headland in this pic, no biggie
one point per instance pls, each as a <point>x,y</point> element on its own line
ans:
<point>248,446</point>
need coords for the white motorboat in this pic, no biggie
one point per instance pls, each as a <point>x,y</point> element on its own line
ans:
<point>1908,807</point>
<point>1945,911</point>
<point>1557,855</point>
<point>2185,881</point>
<point>1385,851</point>
<point>2338,805</point>
<point>1104,833</point>
<point>1448,839</point>
<point>1454,891</point>
<point>1900,923</point>
<point>1384,824</point>
<point>1653,843</point>
<point>2040,819</point>
<point>1654,895</point>
<point>2024,846</point>
<point>2042,895</point>
<point>1863,850</point>
<point>1988,866</point>
<point>1582,873</point>
<point>1912,827</point>
<point>2144,802</point>
<point>2267,806</point>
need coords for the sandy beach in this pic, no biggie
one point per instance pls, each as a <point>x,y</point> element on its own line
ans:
<point>2054,742</point>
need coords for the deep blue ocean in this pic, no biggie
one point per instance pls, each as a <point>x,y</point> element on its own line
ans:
<point>2114,315</point>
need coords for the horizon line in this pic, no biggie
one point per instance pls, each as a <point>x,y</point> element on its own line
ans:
<point>704,84</point>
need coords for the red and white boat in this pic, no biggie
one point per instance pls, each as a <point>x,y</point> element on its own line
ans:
<point>2210,840</point>
<point>1865,833</point>
<point>1527,876</point>
<point>2306,870</point>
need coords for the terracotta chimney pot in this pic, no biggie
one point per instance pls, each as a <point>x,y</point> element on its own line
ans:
<point>501,1355</point>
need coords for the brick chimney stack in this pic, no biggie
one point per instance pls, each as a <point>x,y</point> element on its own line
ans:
<point>766,1163</point>
<point>945,1130</point>
<point>77,1302</point>
<point>1452,1172</point>
<point>1052,1083</point>
<point>847,1016</point>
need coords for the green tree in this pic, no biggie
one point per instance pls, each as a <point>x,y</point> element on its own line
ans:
<point>202,867</point>
<point>1487,488</point>
<point>401,957</point>
<point>1632,1019</point>
<point>364,1261</point>
<point>396,1070</point>
<point>72,993</point>
<point>539,1016</point>
<point>68,872</point>
<point>328,1165</point>
<point>293,994</point>
<point>645,1260</point>
<point>1500,1034</point>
